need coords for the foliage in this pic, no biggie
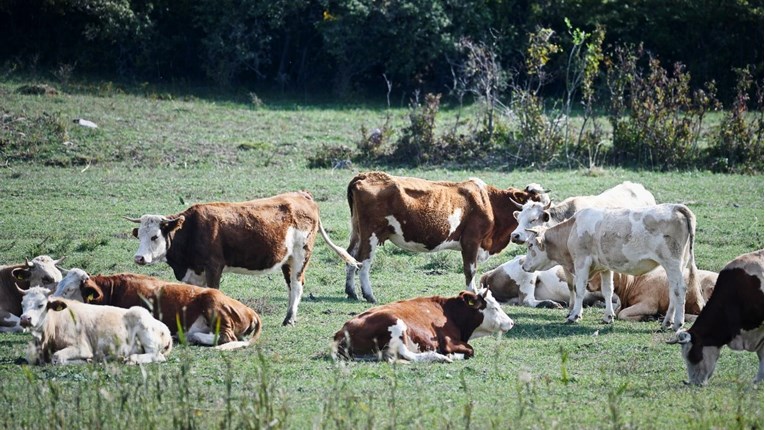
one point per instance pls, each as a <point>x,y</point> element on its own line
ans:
<point>739,145</point>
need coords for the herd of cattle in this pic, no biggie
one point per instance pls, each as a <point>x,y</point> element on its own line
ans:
<point>619,247</point>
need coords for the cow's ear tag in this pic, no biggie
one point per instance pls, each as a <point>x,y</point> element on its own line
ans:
<point>58,306</point>
<point>471,302</point>
<point>89,298</point>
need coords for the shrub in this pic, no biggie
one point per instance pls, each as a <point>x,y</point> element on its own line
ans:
<point>737,146</point>
<point>418,143</point>
<point>329,156</point>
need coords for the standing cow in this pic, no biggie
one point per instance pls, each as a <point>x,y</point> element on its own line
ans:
<point>733,316</point>
<point>534,214</point>
<point>41,271</point>
<point>254,237</point>
<point>428,216</point>
<point>632,241</point>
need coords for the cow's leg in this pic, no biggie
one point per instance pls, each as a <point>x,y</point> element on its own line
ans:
<point>152,350</point>
<point>397,347</point>
<point>638,312</point>
<point>71,355</point>
<point>759,376</point>
<point>350,270</point>
<point>9,323</point>
<point>298,263</point>
<point>469,263</point>
<point>212,276</point>
<point>581,275</point>
<point>676,310</point>
<point>607,289</point>
<point>458,348</point>
<point>200,332</point>
<point>367,254</point>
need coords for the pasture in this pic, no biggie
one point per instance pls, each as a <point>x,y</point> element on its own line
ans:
<point>158,156</point>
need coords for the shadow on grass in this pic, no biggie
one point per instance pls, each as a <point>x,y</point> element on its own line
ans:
<point>533,330</point>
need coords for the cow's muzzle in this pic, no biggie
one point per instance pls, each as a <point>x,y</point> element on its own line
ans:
<point>26,321</point>
<point>140,260</point>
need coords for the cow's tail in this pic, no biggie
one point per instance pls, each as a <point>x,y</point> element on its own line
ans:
<point>694,286</point>
<point>340,251</point>
<point>349,192</point>
<point>256,326</point>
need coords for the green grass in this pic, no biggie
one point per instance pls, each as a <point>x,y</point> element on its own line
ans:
<point>541,374</point>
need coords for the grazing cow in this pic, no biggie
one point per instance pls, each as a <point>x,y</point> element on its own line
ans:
<point>422,329</point>
<point>426,216</point>
<point>733,316</point>
<point>40,272</point>
<point>535,214</point>
<point>646,296</point>
<point>67,331</point>
<point>546,288</point>
<point>254,237</point>
<point>204,313</point>
<point>632,241</point>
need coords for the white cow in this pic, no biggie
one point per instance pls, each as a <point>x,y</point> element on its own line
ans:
<point>41,271</point>
<point>632,241</point>
<point>534,214</point>
<point>545,288</point>
<point>67,331</point>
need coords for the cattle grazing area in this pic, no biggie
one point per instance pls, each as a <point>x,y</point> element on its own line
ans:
<point>541,373</point>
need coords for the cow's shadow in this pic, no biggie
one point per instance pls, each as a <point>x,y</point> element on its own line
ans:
<point>537,330</point>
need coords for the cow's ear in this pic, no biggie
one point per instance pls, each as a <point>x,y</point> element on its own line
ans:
<point>470,299</point>
<point>515,214</point>
<point>545,216</point>
<point>173,224</point>
<point>56,305</point>
<point>135,232</point>
<point>21,274</point>
<point>91,292</point>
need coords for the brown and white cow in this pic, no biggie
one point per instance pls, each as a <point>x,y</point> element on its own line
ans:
<point>632,241</point>
<point>40,272</point>
<point>254,237</point>
<point>422,329</point>
<point>534,214</point>
<point>67,331</point>
<point>207,316</point>
<point>733,316</point>
<point>646,296</point>
<point>545,288</point>
<point>428,216</point>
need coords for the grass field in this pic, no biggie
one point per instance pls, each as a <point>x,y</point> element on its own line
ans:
<point>159,156</point>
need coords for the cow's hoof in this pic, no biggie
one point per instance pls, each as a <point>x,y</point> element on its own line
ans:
<point>370,299</point>
<point>351,295</point>
<point>571,321</point>
<point>608,320</point>
<point>550,304</point>
<point>288,321</point>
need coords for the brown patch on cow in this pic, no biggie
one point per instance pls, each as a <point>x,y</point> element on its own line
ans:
<point>613,239</point>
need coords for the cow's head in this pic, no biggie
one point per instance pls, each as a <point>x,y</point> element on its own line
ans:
<point>536,254</point>
<point>532,214</point>
<point>72,285</point>
<point>537,193</point>
<point>155,234</point>
<point>494,318</point>
<point>40,272</point>
<point>34,305</point>
<point>700,360</point>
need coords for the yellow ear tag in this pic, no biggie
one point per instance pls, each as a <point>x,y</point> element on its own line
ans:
<point>471,302</point>
<point>89,298</point>
<point>58,306</point>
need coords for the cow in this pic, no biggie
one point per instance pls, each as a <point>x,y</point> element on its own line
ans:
<point>427,216</point>
<point>646,296</point>
<point>40,272</point>
<point>533,214</point>
<point>422,329</point>
<point>206,315</point>
<point>546,288</point>
<point>632,241</point>
<point>733,316</point>
<point>253,237</point>
<point>66,331</point>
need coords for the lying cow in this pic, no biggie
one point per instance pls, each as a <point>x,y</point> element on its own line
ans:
<point>422,329</point>
<point>646,296</point>
<point>426,216</point>
<point>547,288</point>
<point>40,272</point>
<point>67,331</point>
<point>733,316</point>
<point>207,316</point>
<point>535,214</point>
<point>254,237</point>
<point>632,241</point>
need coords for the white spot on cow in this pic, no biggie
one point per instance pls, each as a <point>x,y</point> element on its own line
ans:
<point>587,222</point>
<point>398,236</point>
<point>454,220</point>
<point>483,255</point>
<point>193,278</point>
<point>481,184</point>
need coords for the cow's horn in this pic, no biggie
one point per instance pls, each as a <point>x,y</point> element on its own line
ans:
<point>57,262</point>
<point>20,290</point>
<point>135,220</point>
<point>518,205</point>
<point>28,263</point>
